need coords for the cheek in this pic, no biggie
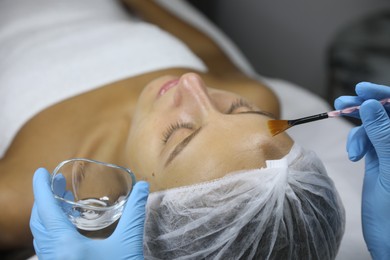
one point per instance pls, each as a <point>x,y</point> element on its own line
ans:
<point>201,168</point>
<point>186,174</point>
<point>221,158</point>
<point>141,153</point>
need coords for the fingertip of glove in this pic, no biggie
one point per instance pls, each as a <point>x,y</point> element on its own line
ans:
<point>369,90</point>
<point>371,108</point>
<point>356,143</point>
<point>41,174</point>
<point>354,158</point>
<point>364,83</point>
<point>354,153</point>
<point>347,101</point>
<point>41,170</point>
<point>338,103</point>
<point>342,102</point>
<point>142,185</point>
<point>361,87</point>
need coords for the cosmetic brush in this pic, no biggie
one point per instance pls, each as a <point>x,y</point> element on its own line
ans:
<point>279,126</point>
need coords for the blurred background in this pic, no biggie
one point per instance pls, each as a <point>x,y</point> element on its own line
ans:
<point>324,46</point>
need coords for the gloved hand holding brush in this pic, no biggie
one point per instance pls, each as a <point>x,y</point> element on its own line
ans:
<point>372,140</point>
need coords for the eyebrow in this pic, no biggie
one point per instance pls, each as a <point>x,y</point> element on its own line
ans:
<point>180,147</point>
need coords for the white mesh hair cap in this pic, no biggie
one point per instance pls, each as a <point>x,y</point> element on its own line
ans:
<point>288,210</point>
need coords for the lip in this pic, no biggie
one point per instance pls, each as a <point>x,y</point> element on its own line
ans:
<point>167,86</point>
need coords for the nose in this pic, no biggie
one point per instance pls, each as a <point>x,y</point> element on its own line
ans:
<point>192,95</point>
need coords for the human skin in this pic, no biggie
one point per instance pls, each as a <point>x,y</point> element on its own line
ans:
<point>227,133</point>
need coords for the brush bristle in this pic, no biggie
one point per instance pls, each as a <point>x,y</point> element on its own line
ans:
<point>278,126</point>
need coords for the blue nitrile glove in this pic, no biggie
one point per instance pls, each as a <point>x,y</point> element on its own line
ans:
<point>55,237</point>
<point>364,91</point>
<point>372,140</point>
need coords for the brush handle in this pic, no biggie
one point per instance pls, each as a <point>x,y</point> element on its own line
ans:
<point>308,119</point>
<point>350,110</point>
<point>330,114</point>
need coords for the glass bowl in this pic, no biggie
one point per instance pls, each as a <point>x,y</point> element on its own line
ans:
<point>91,193</point>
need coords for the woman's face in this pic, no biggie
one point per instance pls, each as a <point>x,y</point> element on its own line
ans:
<point>184,133</point>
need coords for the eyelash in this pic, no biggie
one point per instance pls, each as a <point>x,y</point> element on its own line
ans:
<point>173,127</point>
<point>237,104</point>
<point>178,125</point>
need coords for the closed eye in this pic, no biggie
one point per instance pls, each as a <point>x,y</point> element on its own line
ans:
<point>173,128</point>
<point>236,105</point>
<point>239,103</point>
